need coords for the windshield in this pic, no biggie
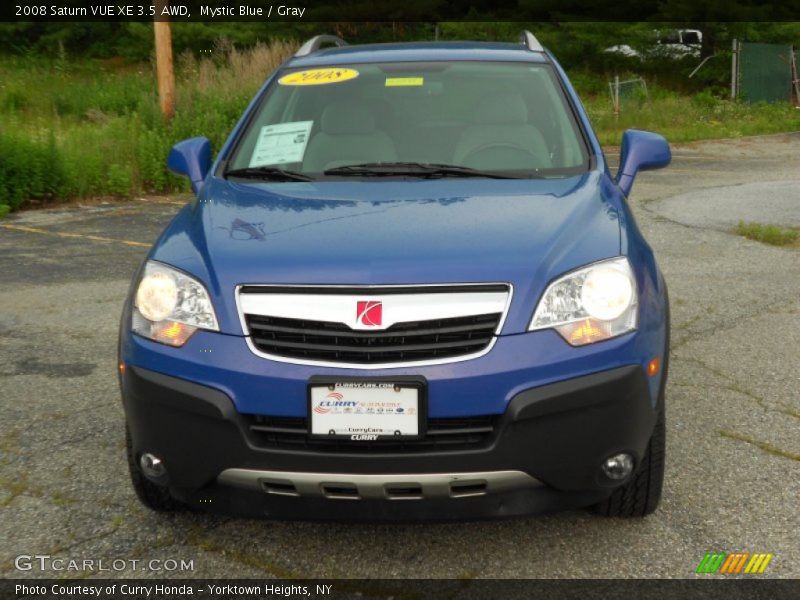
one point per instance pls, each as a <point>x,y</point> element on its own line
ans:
<point>502,118</point>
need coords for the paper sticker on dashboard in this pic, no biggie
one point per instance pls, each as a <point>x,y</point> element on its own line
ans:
<point>404,81</point>
<point>281,144</point>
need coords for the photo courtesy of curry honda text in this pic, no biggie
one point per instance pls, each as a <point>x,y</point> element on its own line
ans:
<point>408,288</point>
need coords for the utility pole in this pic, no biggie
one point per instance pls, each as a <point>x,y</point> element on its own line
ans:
<point>165,73</point>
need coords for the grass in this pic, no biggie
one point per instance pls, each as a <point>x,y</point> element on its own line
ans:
<point>92,128</point>
<point>774,235</point>
<point>684,118</point>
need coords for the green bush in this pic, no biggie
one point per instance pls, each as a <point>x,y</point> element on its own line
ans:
<point>588,82</point>
<point>13,100</point>
<point>29,168</point>
<point>94,128</point>
<point>705,100</point>
<point>119,182</point>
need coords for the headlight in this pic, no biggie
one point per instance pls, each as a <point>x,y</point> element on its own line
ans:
<point>591,304</point>
<point>170,306</point>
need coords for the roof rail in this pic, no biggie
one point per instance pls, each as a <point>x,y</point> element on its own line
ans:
<point>530,41</point>
<point>316,42</point>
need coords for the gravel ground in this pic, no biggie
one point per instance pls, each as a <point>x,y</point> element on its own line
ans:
<point>733,474</point>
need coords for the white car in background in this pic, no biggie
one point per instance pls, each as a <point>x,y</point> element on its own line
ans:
<point>674,44</point>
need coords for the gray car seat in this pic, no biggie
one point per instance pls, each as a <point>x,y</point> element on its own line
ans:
<point>347,136</point>
<point>501,137</point>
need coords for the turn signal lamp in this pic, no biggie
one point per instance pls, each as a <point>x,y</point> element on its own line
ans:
<point>653,367</point>
<point>583,332</point>
<point>172,332</point>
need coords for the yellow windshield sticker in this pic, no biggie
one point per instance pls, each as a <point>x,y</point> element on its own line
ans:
<point>404,81</point>
<point>318,77</point>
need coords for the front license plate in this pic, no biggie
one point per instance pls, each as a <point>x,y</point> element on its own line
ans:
<point>365,411</point>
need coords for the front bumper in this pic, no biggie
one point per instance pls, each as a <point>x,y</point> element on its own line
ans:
<point>551,439</point>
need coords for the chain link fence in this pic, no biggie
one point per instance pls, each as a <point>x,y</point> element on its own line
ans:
<point>630,89</point>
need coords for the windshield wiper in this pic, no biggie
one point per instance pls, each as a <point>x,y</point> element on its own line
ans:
<point>417,169</point>
<point>271,173</point>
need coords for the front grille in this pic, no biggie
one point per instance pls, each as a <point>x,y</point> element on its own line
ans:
<point>441,435</point>
<point>402,342</point>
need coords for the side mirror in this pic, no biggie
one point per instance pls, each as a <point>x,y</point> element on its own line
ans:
<point>191,158</point>
<point>640,151</point>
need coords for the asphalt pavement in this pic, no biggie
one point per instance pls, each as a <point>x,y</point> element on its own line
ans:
<point>733,449</point>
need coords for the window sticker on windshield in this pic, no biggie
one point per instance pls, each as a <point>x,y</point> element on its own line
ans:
<point>318,77</point>
<point>279,144</point>
<point>404,81</point>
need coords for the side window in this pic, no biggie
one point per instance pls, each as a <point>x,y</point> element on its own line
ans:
<point>673,37</point>
<point>691,37</point>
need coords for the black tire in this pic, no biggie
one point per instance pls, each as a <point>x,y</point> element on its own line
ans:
<point>641,494</point>
<point>153,496</point>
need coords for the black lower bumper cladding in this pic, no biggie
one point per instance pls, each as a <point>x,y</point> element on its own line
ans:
<point>558,434</point>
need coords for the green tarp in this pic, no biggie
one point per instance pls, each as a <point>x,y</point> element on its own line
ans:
<point>765,73</point>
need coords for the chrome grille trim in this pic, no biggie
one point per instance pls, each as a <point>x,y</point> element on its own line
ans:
<point>444,304</point>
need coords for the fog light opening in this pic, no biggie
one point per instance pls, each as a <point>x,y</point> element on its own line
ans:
<point>152,466</point>
<point>618,467</point>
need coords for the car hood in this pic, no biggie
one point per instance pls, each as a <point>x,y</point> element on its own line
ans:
<point>522,232</point>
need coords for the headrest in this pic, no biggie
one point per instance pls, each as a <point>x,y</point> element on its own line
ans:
<point>501,109</point>
<point>343,118</point>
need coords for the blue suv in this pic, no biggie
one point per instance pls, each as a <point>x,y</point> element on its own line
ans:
<point>408,288</point>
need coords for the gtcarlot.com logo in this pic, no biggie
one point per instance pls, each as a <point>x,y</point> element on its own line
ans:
<point>45,562</point>
<point>734,563</point>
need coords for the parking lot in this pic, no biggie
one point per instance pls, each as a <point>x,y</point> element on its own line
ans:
<point>733,405</point>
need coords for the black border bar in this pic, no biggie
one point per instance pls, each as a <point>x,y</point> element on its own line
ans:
<point>342,11</point>
<point>750,587</point>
